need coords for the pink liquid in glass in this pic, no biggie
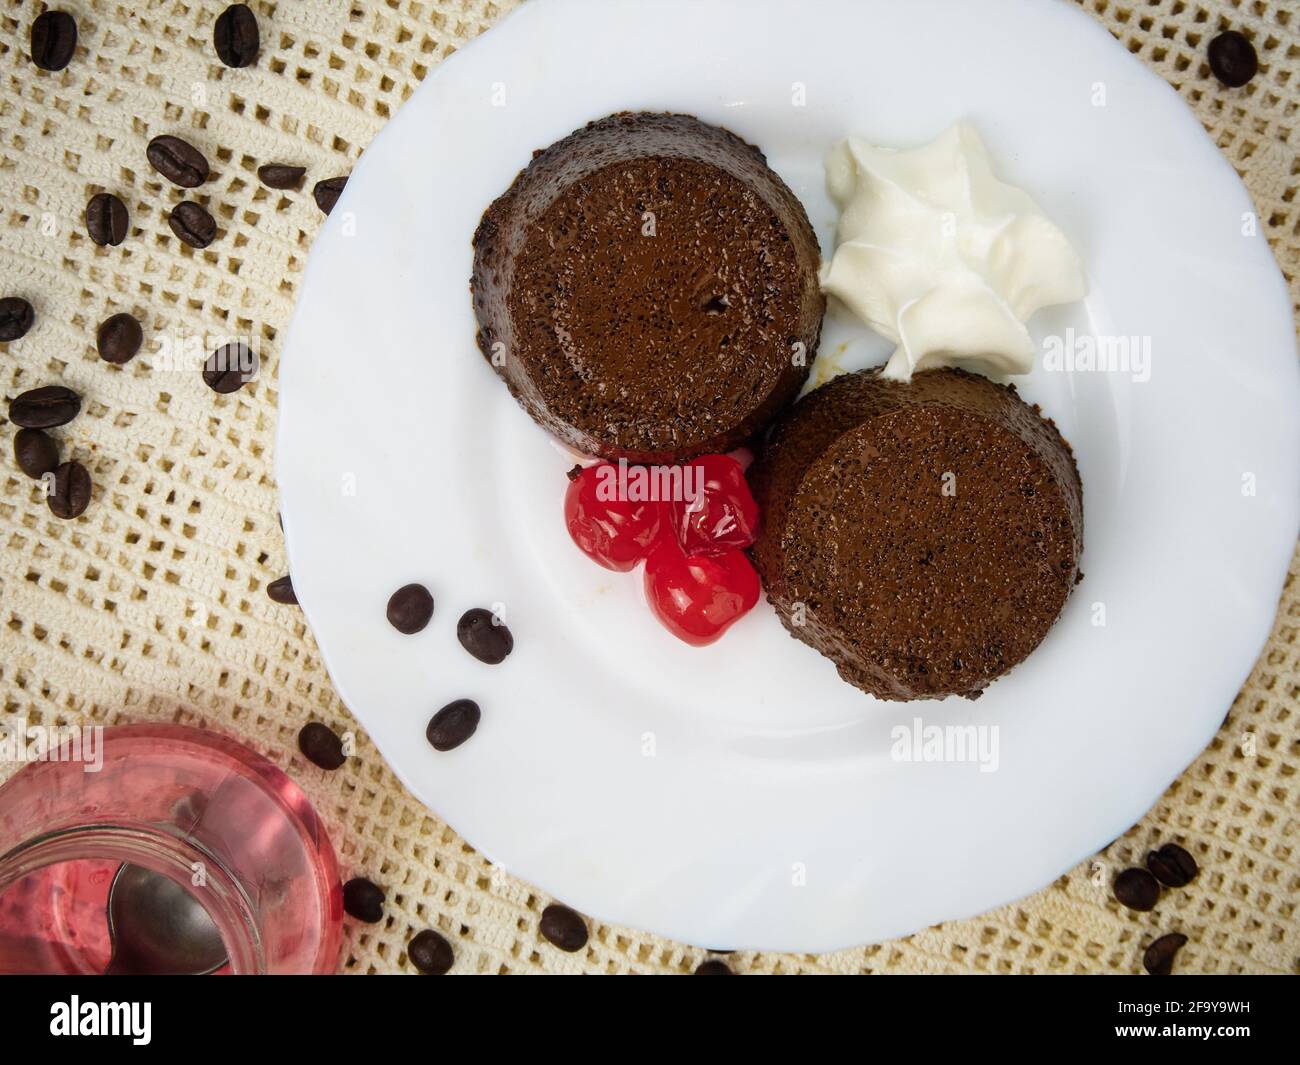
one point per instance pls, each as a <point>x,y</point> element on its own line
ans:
<point>205,811</point>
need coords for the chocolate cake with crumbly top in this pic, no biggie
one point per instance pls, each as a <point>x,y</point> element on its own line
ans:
<point>923,536</point>
<point>647,287</point>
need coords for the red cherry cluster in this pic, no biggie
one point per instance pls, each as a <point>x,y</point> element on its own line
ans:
<point>697,579</point>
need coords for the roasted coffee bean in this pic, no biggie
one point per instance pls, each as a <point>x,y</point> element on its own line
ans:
<point>410,608</point>
<point>566,929</point>
<point>713,967</point>
<point>453,724</point>
<point>35,453</point>
<point>178,161</point>
<point>281,591</point>
<point>430,953</point>
<point>483,636</point>
<point>364,900</point>
<point>44,408</point>
<point>327,192</point>
<point>191,222</point>
<point>1137,889</point>
<point>1233,59</point>
<point>70,495</point>
<point>106,220</point>
<point>235,36</point>
<point>1172,865</point>
<point>54,39</point>
<point>321,746</point>
<point>16,318</point>
<point>119,338</point>
<point>1158,959</point>
<point>230,367</point>
<point>281,175</point>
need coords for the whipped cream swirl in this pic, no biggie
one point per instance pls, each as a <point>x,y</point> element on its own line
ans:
<point>936,254</point>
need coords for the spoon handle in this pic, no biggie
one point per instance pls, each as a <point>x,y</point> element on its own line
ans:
<point>116,967</point>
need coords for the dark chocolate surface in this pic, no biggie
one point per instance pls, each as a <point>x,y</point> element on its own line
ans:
<point>913,592</point>
<point>646,285</point>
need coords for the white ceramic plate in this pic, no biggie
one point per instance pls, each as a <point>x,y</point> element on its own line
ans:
<point>742,795</point>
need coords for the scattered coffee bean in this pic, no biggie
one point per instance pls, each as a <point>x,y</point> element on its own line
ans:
<point>453,724</point>
<point>281,591</point>
<point>321,746</point>
<point>713,967</point>
<point>1158,959</point>
<point>410,608</point>
<point>281,175</point>
<point>430,953</point>
<point>230,367</point>
<point>191,222</point>
<point>235,36</point>
<point>1233,59</point>
<point>483,636</point>
<point>70,494</point>
<point>178,161</point>
<point>16,318</point>
<point>1137,889</point>
<point>106,220</point>
<point>327,192</point>
<point>54,39</point>
<point>119,338</point>
<point>1172,865</point>
<point>364,900</point>
<point>566,929</point>
<point>35,453</point>
<point>44,408</point>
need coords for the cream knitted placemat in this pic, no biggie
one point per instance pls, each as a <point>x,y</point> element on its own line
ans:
<point>153,606</point>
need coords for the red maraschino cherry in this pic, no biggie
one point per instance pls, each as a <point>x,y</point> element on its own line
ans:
<point>610,530</point>
<point>720,515</point>
<point>698,599</point>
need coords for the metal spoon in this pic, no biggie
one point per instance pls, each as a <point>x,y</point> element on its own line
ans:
<point>158,928</point>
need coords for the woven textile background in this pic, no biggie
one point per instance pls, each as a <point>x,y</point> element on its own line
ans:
<point>153,606</point>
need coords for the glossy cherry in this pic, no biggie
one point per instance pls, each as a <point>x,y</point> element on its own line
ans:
<point>699,598</point>
<point>721,514</point>
<point>610,530</point>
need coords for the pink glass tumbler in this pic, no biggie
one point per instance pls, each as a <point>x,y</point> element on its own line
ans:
<point>216,818</point>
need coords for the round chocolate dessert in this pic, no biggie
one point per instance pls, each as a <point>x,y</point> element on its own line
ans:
<point>923,536</point>
<point>647,287</point>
